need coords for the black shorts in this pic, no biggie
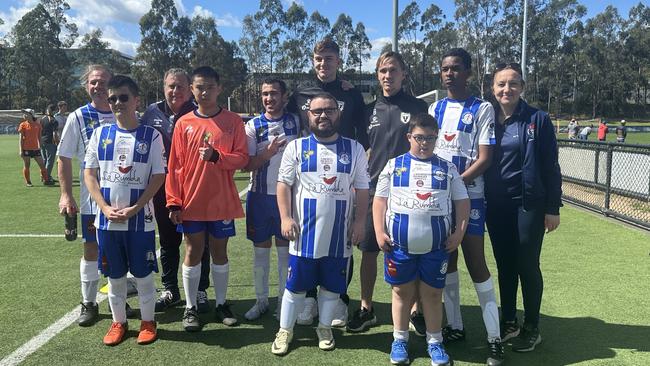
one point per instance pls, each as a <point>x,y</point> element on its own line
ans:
<point>32,153</point>
<point>369,244</point>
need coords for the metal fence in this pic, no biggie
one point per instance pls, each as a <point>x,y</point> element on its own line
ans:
<point>610,178</point>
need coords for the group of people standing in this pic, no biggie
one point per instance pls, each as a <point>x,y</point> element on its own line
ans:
<point>327,173</point>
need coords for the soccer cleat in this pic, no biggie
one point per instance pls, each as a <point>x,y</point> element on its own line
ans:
<point>361,320</point>
<point>29,184</point>
<point>340,315</point>
<point>399,354</point>
<point>115,333</point>
<point>202,304</point>
<point>260,308</point>
<point>496,356</point>
<point>527,340</point>
<point>450,334</point>
<point>509,329</point>
<point>325,338</point>
<point>438,355</point>
<point>308,313</point>
<point>89,314</point>
<point>280,345</point>
<point>224,315</point>
<point>417,324</point>
<point>191,321</point>
<point>148,333</point>
<point>167,300</point>
<point>48,182</point>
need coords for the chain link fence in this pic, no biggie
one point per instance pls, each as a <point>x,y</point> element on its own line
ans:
<point>610,178</point>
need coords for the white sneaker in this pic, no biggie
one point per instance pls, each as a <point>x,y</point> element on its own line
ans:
<point>308,313</point>
<point>260,307</point>
<point>340,315</point>
<point>280,345</point>
<point>325,338</point>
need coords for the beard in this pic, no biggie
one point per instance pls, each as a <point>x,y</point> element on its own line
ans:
<point>323,133</point>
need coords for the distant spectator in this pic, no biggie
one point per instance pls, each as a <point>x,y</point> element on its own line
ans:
<point>572,129</point>
<point>584,133</point>
<point>28,145</point>
<point>49,140</point>
<point>61,115</point>
<point>602,130</point>
<point>621,132</point>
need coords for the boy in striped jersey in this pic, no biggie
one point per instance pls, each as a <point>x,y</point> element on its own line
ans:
<point>124,168</point>
<point>412,213</point>
<point>321,178</point>
<point>267,135</point>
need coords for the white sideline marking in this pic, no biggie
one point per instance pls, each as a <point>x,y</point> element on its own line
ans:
<point>42,338</point>
<point>50,332</point>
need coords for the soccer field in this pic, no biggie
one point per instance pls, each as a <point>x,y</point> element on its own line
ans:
<point>595,309</point>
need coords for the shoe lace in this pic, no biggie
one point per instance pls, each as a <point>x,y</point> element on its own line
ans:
<point>399,346</point>
<point>282,336</point>
<point>201,296</point>
<point>436,351</point>
<point>189,314</point>
<point>115,328</point>
<point>147,326</point>
<point>496,348</point>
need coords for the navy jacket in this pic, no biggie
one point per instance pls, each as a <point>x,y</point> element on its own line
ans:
<point>541,177</point>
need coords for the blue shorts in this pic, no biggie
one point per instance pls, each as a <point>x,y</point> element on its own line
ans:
<point>476,224</point>
<point>219,229</point>
<point>122,251</point>
<point>401,267</point>
<point>88,230</point>
<point>262,217</point>
<point>305,274</point>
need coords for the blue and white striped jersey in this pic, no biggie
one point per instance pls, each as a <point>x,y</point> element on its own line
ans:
<point>463,126</point>
<point>126,160</point>
<point>420,194</point>
<point>260,132</point>
<point>323,177</point>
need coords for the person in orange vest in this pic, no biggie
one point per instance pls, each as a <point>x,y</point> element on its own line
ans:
<point>602,130</point>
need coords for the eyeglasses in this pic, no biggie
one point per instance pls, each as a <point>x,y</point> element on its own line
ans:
<point>318,112</point>
<point>123,98</point>
<point>507,65</point>
<point>422,138</point>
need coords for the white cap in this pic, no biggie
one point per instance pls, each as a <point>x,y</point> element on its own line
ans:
<point>28,110</point>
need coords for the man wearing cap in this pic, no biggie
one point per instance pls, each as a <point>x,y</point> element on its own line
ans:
<point>621,132</point>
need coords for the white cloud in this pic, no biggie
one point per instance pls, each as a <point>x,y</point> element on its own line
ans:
<point>101,12</point>
<point>12,17</point>
<point>288,3</point>
<point>201,11</point>
<point>227,20</point>
<point>379,43</point>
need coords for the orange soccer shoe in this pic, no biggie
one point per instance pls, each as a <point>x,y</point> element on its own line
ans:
<point>115,334</point>
<point>148,333</point>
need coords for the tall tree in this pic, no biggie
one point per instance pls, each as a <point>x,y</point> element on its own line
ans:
<point>342,33</point>
<point>359,47</point>
<point>294,56</point>
<point>317,28</point>
<point>57,10</point>
<point>252,43</point>
<point>94,50</point>
<point>272,18</point>
<point>439,36</point>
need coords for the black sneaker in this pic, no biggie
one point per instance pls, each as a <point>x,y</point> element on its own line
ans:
<point>202,303</point>
<point>417,324</point>
<point>191,321</point>
<point>496,353</point>
<point>450,334</point>
<point>527,340</point>
<point>509,329</point>
<point>89,314</point>
<point>224,315</point>
<point>167,300</point>
<point>361,320</point>
<point>131,313</point>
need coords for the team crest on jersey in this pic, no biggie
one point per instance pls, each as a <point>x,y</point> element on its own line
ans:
<point>341,105</point>
<point>530,131</point>
<point>289,124</point>
<point>474,214</point>
<point>307,154</point>
<point>443,267</point>
<point>344,158</point>
<point>439,174</point>
<point>142,147</point>
<point>405,117</point>
<point>150,256</point>
<point>467,118</point>
<point>106,142</point>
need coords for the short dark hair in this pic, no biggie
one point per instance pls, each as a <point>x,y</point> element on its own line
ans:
<point>324,95</point>
<point>119,81</point>
<point>205,72</point>
<point>423,120</point>
<point>281,83</point>
<point>326,44</point>
<point>460,53</point>
<point>50,109</point>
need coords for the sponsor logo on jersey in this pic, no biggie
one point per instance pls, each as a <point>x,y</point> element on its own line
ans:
<point>467,118</point>
<point>106,142</point>
<point>421,203</point>
<point>405,117</point>
<point>226,222</point>
<point>424,196</point>
<point>530,131</point>
<point>344,158</point>
<point>419,183</point>
<point>142,147</point>
<point>157,122</point>
<point>326,168</point>
<point>398,171</point>
<point>125,169</point>
<point>122,177</point>
<point>449,136</point>
<point>329,186</point>
<point>329,180</point>
<point>307,154</point>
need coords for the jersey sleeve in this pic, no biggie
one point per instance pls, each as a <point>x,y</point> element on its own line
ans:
<point>485,125</point>
<point>383,183</point>
<point>91,159</point>
<point>288,164</point>
<point>158,163</point>
<point>251,138</point>
<point>361,177</point>
<point>175,164</point>
<point>237,157</point>
<point>70,136</point>
<point>458,189</point>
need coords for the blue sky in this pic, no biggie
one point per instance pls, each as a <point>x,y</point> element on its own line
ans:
<point>118,19</point>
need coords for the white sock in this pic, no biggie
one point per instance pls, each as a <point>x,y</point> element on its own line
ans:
<point>451,294</point>
<point>89,274</point>
<point>489,308</point>
<point>327,302</point>
<point>434,337</point>
<point>291,302</point>
<point>220,282</point>
<point>117,298</point>
<point>191,279</point>
<point>283,264</point>
<point>146,297</point>
<point>261,268</point>
<point>401,335</point>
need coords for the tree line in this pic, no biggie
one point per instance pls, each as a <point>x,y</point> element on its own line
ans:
<point>596,66</point>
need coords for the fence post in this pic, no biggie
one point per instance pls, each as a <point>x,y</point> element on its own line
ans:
<point>597,162</point>
<point>608,178</point>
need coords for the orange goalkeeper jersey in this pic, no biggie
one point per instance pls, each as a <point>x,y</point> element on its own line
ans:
<point>30,133</point>
<point>205,190</point>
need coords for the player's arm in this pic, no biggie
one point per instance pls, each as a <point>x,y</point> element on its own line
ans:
<point>479,166</point>
<point>289,228</point>
<point>461,208</point>
<point>379,207</point>
<point>174,180</point>
<point>361,198</point>
<point>237,157</point>
<point>90,180</point>
<point>257,161</point>
<point>486,140</point>
<point>20,142</point>
<point>67,147</point>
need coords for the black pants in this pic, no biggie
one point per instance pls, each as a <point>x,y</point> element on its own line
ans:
<point>516,237</point>
<point>170,243</point>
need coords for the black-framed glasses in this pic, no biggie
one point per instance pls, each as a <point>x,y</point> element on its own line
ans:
<point>123,98</point>
<point>422,138</point>
<point>319,111</point>
<point>507,65</point>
